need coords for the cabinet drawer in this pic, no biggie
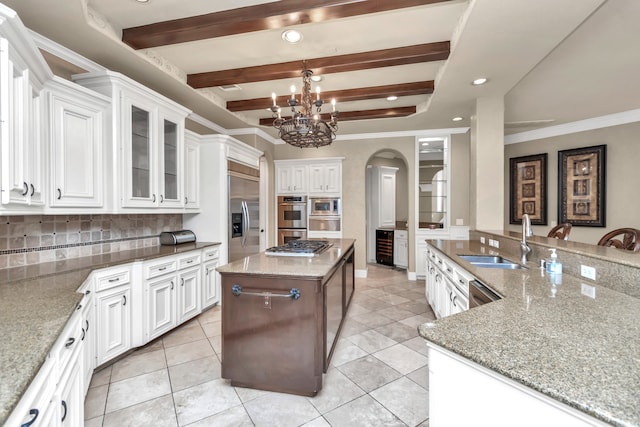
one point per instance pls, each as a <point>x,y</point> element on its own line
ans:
<point>69,342</point>
<point>189,260</point>
<point>111,277</point>
<point>159,267</point>
<point>211,253</point>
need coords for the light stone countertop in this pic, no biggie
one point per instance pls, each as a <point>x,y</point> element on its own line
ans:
<point>36,302</point>
<point>582,351</point>
<point>316,266</point>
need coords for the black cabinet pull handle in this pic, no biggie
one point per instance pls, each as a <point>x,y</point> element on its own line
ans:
<point>83,333</point>
<point>35,414</point>
<point>59,194</point>
<point>87,328</point>
<point>117,279</point>
<point>172,285</point>
<point>87,292</point>
<point>26,189</point>
<point>186,200</point>
<point>124,302</point>
<point>64,405</point>
<point>162,268</point>
<point>190,261</point>
<point>182,281</point>
<point>33,189</point>
<point>70,342</point>
<point>161,199</point>
<point>154,198</point>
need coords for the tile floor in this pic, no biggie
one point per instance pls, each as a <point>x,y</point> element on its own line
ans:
<point>378,374</point>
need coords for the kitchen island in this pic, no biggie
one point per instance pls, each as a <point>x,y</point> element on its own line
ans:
<point>563,350</point>
<point>282,315</point>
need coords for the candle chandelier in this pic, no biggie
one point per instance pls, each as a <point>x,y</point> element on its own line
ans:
<point>305,129</point>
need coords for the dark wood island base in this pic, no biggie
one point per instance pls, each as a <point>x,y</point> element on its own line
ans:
<point>279,330</point>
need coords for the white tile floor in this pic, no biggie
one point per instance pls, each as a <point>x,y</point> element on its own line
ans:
<point>378,374</point>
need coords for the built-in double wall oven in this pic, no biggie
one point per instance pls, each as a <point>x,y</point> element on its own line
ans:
<point>292,218</point>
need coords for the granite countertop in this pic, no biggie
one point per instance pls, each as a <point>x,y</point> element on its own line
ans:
<point>36,302</point>
<point>579,350</point>
<point>316,266</point>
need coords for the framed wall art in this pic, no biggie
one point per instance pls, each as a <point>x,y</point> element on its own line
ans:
<point>528,189</point>
<point>581,185</point>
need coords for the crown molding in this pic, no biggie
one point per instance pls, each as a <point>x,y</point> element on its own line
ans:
<point>64,53</point>
<point>609,120</point>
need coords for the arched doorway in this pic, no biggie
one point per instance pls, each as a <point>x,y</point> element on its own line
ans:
<point>380,166</point>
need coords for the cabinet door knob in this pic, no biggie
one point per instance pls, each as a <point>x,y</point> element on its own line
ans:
<point>26,189</point>
<point>59,194</point>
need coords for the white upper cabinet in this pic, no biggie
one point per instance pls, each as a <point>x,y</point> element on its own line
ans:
<point>23,72</point>
<point>77,126</point>
<point>291,179</point>
<point>147,143</point>
<point>382,196</point>
<point>313,177</point>
<point>325,178</point>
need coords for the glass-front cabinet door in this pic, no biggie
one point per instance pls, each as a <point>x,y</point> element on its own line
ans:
<point>172,143</point>
<point>140,169</point>
<point>433,187</point>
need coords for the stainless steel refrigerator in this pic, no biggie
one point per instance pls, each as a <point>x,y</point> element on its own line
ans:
<point>244,216</point>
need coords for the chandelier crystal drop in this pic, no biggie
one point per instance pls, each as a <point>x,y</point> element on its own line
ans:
<point>305,129</point>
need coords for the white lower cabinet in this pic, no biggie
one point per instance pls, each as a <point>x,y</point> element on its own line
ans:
<point>400,249</point>
<point>446,284</point>
<point>114,322</point>
<point>161,309</point>
<point>172,297</point>
<point>88,338</point>
<point>210,277</point>
<point>189,294</point>
<point>453,379</point>
<point>176,288</point>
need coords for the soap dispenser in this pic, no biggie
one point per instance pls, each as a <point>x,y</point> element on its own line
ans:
<point>553,266</point>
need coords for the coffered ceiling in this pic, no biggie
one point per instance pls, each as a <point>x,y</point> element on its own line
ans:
<point>224,58</point>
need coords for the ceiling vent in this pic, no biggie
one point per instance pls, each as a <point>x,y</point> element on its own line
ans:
<point>230,88</point>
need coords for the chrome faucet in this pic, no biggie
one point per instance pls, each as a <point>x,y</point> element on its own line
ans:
<point>526,232</point>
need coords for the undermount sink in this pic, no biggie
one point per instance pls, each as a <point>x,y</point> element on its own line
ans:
<point>491,261</point>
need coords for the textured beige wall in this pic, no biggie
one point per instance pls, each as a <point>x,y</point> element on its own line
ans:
<point>623,158</point>
<point>357,155</point>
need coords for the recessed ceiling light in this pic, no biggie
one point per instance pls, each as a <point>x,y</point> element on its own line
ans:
<point>291,36</point>
<point>424,144</point>
<point>316,78</point>
<point>457,119</point>
<point>392,98</point>
<point>142,1</point>
<point>480,81</point>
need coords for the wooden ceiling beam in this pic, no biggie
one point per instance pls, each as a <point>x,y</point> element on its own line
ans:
<point>279,14</point>
<point>384,113</point>
<point>415,54</point>
<point>359,94</point>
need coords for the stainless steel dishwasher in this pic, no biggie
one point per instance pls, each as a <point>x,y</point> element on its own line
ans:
<point>480,294</point>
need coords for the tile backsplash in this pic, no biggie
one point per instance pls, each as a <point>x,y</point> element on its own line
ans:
<point>32,239</point>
